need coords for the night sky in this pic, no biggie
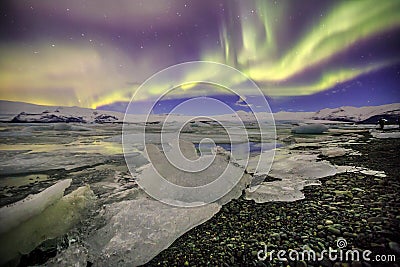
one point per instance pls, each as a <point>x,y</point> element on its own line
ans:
<point>304,55</point>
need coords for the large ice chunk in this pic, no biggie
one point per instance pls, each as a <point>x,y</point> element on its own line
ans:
<point>295,171</point>
<point>285,190</point>
<point>300,167</point>
<point>16,213</point>
<point>163,181</point>
<point>53,221</point>
<point>140,229</point>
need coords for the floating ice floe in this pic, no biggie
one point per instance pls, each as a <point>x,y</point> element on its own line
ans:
<point>46,215</point>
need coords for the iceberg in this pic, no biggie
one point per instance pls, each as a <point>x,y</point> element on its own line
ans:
<point>18,212</point>
<point>46,218</point>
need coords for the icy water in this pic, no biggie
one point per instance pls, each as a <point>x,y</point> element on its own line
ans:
<point>34,156</point>
<point>106,218</point>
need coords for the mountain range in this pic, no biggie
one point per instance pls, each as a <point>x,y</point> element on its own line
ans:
<point>20,112</point>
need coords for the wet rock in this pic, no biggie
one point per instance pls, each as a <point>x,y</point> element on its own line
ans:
<point>328,222</point>
<point>374,219</point>
<point>334,230</point>
<point>395,247</point>
<point>356,264</point>
<point>301,264</point>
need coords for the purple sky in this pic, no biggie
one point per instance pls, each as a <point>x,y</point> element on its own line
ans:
<point>304,55</point>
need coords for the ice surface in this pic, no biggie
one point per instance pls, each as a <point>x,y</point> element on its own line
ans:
<point>335,151</point>
<point>310,129</point>
<point>355,169</point>
<point>53,221</point>
<point>16,213</point>
<point>297,166</point>
<point>44,161</point>
<point>295,170</point>
<point>133,229</point>
<point>163,180</point>
<point>260,164</point>
<point>57,127</point>
<point>39,148</point>
<point>384,135</point>
<point>285,190</point>
<point>75,255</point>
<point>300,165</point>
<point>140,229</point>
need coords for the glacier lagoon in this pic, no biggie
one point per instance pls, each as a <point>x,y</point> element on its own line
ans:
<point>112,221</point>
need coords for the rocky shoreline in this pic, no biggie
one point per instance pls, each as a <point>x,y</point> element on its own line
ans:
<point>362,209</point>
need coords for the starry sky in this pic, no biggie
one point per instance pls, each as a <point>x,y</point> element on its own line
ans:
<point>304,55</point>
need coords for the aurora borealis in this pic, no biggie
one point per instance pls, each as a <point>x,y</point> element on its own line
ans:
<point>95,53</point>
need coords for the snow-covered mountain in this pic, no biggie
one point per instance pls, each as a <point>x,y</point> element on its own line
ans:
<point>24,112</point>
<point>368,114</point>
<point>31,113</point>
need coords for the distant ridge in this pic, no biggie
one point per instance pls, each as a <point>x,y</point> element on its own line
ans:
<point>25,112</point>
<point>368,114</point>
